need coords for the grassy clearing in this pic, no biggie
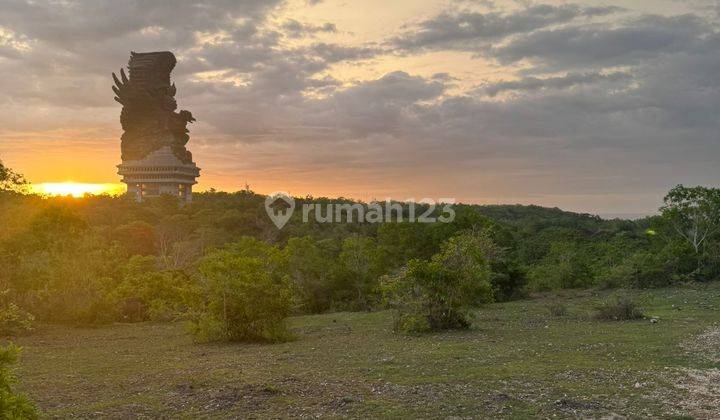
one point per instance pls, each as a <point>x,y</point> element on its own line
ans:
<point>518,360</point>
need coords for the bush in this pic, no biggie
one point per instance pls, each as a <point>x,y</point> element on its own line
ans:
<point>14,320</point>
<point>621,309</point>
<point>425,302</point>
<point>508,281</point>
<point>244,301</point>
<point>12,405</point>
<point>439,294</point>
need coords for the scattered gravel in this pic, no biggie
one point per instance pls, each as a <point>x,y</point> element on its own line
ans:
<point>705,345</point>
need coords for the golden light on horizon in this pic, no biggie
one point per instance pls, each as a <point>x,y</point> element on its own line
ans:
<point>76,189</point>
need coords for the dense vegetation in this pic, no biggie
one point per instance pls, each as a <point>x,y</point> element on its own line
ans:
<point>220,263</point>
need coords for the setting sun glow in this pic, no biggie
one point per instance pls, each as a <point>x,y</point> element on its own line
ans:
<point>76,189</point>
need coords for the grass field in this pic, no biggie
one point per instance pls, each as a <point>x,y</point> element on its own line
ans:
<point>518,360</point>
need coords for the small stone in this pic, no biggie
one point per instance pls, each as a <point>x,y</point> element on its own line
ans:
<point>654,320</point>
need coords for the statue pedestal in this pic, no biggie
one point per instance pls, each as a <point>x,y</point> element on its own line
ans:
<point>158,173</point>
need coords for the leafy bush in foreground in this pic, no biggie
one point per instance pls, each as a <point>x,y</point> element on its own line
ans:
<point>14,321</point>
<point>12,405</point>
<point>439,294</point>
<point>621,309</point>
<point>245,302</point>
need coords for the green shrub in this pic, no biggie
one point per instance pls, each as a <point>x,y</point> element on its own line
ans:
<point>439,294</point>
<point>244,301</point>
<point>15,321</point>
<point>508,281</point>
<point>424,299</point>
<point>12,405</point>
<point>620,309</point>
<point>411,320</point>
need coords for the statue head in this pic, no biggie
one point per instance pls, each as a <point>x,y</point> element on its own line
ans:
<point>186,116</point>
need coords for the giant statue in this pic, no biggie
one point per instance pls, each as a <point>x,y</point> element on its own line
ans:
<point>154,158</point>
<point>148,116</point>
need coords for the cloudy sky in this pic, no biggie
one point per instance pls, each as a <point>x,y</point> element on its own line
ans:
<point>596,106</point>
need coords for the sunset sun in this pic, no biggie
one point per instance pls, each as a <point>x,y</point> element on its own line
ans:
<point>76,189</point>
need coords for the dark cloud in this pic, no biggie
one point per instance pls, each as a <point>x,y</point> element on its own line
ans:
<point>70,56</point>
<point>296,29</point>
<point>73,24</point>
<point>571,79</point>
<point>333,53</point>
<point>600,45</point>
<point>386,105</point>
<point>469,30</point>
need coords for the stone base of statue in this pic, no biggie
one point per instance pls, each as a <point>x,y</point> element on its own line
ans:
<point>158,173</point>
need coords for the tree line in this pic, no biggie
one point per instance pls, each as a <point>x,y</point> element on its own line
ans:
<point>220,261</point>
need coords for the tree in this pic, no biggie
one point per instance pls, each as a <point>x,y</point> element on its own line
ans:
<point>694,215</point>
<point>10,180</point>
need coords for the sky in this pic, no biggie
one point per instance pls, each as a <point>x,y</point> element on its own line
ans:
<point>591,106</point>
